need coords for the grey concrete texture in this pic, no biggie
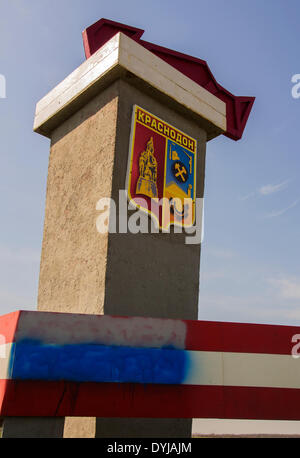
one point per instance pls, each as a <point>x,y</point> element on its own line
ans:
<point>73,261</point>
<point>33,427</point>
<point>143,427</point>
<point>83,271</point>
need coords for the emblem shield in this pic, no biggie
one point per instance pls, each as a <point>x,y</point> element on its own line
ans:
<point>161,175</point>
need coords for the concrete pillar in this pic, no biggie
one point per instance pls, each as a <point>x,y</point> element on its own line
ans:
<point>33,428</point>
<point>83,271</point>
<point>88,119</point>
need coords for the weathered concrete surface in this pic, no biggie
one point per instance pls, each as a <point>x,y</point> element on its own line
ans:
<point>143,427</point>
<point>73,262</point>
<point>78,427</point>
<point>33,428</point>
<point>83,271</point>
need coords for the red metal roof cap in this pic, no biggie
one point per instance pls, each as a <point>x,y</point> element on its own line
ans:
<point>237,108</point>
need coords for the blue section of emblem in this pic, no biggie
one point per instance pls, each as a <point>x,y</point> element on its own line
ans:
<point>180,166</point>
<point>98,363</point>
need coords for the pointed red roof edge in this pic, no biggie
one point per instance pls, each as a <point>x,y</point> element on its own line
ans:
<point>238,108</point>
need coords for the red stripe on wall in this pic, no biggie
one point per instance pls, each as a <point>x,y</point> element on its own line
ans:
<point>240,337</point>
<point>153,401</point>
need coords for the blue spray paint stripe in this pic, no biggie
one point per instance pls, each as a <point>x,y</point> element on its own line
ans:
<point>98,363</point>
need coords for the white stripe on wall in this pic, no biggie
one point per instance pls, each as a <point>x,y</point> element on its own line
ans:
<point>5,352</point>
<point>243,369</point>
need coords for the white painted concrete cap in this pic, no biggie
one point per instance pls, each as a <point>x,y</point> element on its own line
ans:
<point>118,56</point>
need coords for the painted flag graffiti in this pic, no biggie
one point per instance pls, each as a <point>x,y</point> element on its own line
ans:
<point>56,364</point>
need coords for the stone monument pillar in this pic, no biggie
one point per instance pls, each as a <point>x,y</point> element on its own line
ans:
<point>90,119</point>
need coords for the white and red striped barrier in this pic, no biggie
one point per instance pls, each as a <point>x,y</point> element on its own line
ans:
<point>56,364</point>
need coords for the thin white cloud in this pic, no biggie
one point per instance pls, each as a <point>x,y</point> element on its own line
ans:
<point>287,287</point>
<point>272,188</point>
<point>264,298</point>
<point>273,214</point>
<point>267,190</point>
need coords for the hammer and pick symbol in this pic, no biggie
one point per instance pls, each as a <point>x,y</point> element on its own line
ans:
<point>181,172</point>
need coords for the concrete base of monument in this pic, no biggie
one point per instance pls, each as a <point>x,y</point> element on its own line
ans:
<point>33,427</point>
<point>84,428</point>
<point>143,427</point>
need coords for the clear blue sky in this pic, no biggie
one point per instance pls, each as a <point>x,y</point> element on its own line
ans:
<point>250,268</point>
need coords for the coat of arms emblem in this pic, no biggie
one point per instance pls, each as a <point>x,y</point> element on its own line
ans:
<point>161,178</point>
